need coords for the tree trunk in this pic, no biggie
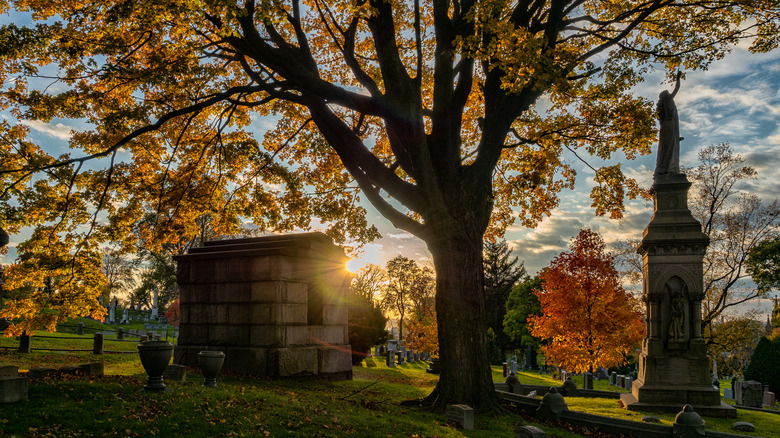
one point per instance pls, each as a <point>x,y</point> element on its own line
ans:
<point>460,307</point>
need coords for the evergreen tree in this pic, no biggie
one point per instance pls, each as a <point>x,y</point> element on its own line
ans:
<point>501,275</point>
<point>521,304</point>
<point>764,365</point>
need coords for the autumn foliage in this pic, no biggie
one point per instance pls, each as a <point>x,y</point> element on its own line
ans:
<point>589,319</point>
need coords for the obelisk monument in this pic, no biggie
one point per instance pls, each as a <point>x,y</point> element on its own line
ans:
<point>673,365</point>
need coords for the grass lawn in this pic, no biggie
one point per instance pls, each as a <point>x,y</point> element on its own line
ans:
<point>370,405</point>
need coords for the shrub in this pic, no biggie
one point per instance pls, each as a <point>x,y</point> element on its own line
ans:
<point>366,326</point>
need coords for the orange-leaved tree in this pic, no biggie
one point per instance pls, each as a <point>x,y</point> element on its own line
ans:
<point>588,317</point>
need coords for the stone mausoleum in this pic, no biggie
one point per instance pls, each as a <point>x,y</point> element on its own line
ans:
<point>276,306</point>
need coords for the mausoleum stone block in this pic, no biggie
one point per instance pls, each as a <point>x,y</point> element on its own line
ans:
<point>277,305</point>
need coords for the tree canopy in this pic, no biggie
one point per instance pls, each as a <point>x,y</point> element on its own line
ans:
<point>445,115</point>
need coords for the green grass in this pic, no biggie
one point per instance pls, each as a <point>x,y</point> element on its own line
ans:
<point>370,405</point>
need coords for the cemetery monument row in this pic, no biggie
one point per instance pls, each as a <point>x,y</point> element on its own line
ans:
<point>276,306</point>
<point>673,365</point>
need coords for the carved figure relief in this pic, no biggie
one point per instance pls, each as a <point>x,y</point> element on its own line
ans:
<point>677,291</point>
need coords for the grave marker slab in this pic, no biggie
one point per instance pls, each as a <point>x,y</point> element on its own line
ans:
<point>461,416</point>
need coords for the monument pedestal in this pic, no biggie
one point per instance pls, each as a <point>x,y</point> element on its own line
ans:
<point>673,365</point>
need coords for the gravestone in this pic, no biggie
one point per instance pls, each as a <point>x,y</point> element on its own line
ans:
<point>674,369</point>
<point>155,310</point>
<point>628,382</point>
<point>12,387</point>
<point>769,399</point>
<point>275,305</point>
<point>749,393</point>
<point>462,416</point>
<point>587,380</point>
<point>613,378</point>
<point>728,394</point>
<point>177,373</point>
<point>390,358</point>
<point>529,432</point>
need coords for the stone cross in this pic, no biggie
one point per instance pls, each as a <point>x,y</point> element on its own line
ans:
<point>513,365</point>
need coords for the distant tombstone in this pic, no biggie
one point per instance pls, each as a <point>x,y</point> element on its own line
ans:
<point>154,314</point>
<point>435,367</point>
<point>529,362</point>
<point>513,365</point>
<point>613,378</point>
<point>728,394</point>
<point>621,381</point>
<point>377,351</point>
<point>587,379</point>
<point>402,355</point>
<point>749,393</point>
<point>410,356</point>
<point>627,385</point>
<point>390,358</point>
<point>392,345</point>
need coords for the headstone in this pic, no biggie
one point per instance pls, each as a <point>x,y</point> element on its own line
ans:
<point>587,379</point>
<point>621,381</point>
<point>570,388</point>
<point>80,329</point>
<point>651,419</point>
<point>628,383</point>
<point>769,399</point>
<point>435,367</point>
<point>529,432</point>
<point>688,423</point>
<point>24,343</point>
<point>377,351</point>
<point>175,372</point>
<point>390,358</point>
<point>154,314</point>
<point>402,355</point>
<point>409,356</point>
<point>112,311</point>
<point>613,378</point>
<point>743,426</point>
<point>92,368</point>
<point>120,333</point>
<point>749,393</point>
<point>462,416</point>
<point>728,394</point>
<point>12,387</point>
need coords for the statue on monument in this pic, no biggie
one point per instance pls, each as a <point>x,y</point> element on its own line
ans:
<point>668,159</point>
<point>676,330</point>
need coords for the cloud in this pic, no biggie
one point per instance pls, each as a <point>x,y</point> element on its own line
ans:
<point>403,235</point>
<point>59,130</point>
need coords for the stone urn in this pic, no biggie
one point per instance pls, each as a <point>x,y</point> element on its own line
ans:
<point>155,356</point>
<point>210,363</point>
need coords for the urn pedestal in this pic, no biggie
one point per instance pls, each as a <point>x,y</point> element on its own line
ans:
<point>210,363</point>
<point>155,356</point>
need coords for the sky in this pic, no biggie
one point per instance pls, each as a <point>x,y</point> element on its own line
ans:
<point>737,101</point>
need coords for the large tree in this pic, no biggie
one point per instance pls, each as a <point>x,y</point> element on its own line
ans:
<point>590,319</point>
<point>434,104</point>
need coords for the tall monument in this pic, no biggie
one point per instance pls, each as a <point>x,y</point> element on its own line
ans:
<point>673,365</point>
